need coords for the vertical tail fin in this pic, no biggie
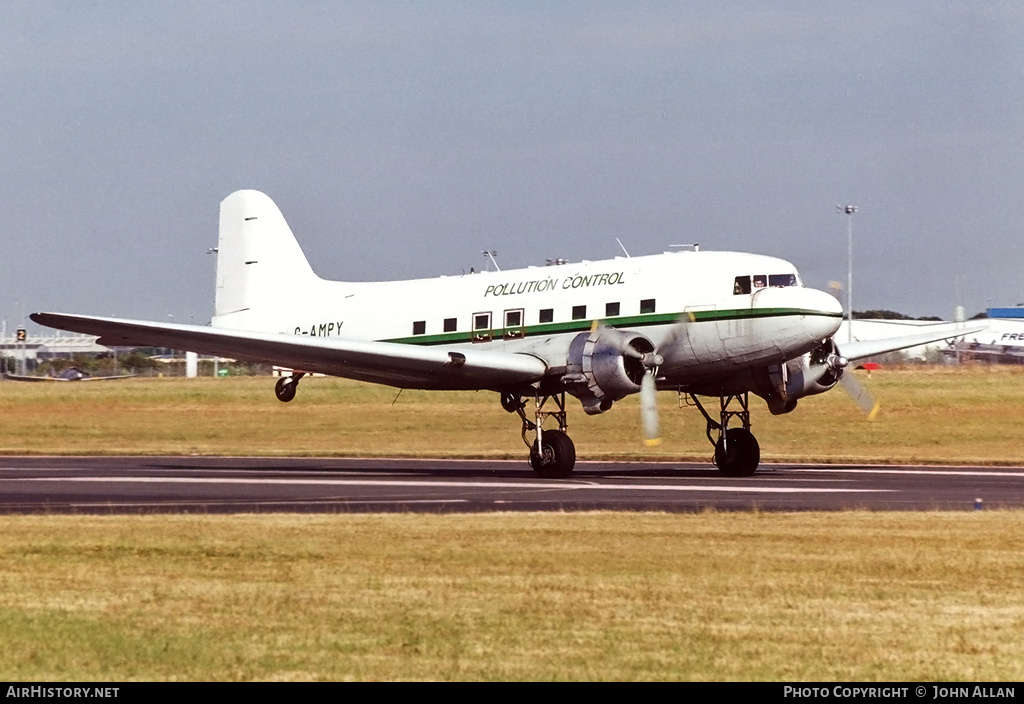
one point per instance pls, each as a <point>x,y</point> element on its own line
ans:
<point>259,263</point>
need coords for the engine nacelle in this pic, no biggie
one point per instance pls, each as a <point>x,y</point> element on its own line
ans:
<point>782,385</point>
<point>605,365</point>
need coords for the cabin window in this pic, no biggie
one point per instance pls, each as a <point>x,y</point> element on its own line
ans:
<point>547,315</point>
<point>781,280</point>
<point>579,312</point>
<point>760,281</point>
<point>647,305</point>
<point>451,324</point>
<point>513,318</point>
<point>611,309</point>
<point>419,327</point>
<point>742,285</point>
<point>514,324</point>
<point>481,327</point>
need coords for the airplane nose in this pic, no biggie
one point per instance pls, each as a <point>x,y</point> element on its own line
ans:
<point>801,314</point>
<point>823,313</point>
<point>823,302</point>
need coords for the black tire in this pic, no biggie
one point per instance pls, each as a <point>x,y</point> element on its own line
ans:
<point>285,389</point>
<point>742,455</point>
<point>555,457</point>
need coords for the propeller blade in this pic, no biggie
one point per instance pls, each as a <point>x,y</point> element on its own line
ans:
<point>649,409</point>
<point>860,394</point>
<point>648,386</point>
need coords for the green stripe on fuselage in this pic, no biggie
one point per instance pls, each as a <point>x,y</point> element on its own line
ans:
<point>631,321</point>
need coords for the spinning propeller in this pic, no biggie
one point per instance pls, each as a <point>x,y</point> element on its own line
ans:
<point>857,391</point>
<point>649,388</point>
<point>643,371</point>
<point>836,365</point>
<point>861,396</point>
<point>648,392</point>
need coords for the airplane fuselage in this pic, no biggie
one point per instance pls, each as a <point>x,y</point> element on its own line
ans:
<point>710,314</point>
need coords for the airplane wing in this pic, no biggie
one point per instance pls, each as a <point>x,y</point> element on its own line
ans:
<point>19,377</point>
<point>405,366</point>
<point>862,349</point>
<point>16,377</point>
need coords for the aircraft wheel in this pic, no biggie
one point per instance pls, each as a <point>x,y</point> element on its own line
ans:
<point>555,457</point>
<point>742,456</point>
<point>285,389</point>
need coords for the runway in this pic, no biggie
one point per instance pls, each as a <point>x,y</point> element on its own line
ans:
<point>331,485</point>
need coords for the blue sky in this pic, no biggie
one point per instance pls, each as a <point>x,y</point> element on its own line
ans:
<point>402,138</point>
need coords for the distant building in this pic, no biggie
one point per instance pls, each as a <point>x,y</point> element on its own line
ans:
<point>42,347</point>
<point>1002,342</point>
<point>1006,313</point>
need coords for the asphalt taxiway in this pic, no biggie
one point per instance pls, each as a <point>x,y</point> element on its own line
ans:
<point>342,485</point>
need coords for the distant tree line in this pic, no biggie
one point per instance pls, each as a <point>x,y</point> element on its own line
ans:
<point>889,315</point>
<point>893,315</point>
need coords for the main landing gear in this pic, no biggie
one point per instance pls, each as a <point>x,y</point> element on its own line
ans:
<point>552,454</point>
<point>737,453</point>
<point>287,386</point>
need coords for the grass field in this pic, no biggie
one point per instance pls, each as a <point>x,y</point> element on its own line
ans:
<point>851,596</point>
<point>929,414</point>
<point>595,596</point>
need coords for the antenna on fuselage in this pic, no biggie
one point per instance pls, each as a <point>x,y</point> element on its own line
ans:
<point>489,253</point>
<point>623,247</point>
<point>695,246</point>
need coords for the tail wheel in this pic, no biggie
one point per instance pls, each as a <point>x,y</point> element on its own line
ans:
<point>554,456</point>
<point>737,454</point>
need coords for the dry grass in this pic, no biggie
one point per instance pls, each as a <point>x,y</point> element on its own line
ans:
<point>599,596</point>
<point>602,596</point>
<point>937,414</point>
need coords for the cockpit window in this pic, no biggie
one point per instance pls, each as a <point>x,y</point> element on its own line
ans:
<point>746,284</point>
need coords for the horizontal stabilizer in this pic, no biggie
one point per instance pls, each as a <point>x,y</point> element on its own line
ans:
<point>405,366</point>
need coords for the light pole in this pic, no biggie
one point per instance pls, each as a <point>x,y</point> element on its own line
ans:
<point>490,254</point>
<point>849,210</point>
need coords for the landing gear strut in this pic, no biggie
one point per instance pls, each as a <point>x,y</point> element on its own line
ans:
<point>552,454</point>
<point>287,386</point>
<point>737,453</point>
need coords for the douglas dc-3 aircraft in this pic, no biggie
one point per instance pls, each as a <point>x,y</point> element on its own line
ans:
<point>718,324</point>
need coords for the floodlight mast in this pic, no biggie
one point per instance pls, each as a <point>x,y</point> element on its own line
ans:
<point>849,210</point>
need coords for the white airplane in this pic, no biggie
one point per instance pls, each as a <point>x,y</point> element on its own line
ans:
<point>69,374</point>
<point>720,324</point>
<point>1000,342</point>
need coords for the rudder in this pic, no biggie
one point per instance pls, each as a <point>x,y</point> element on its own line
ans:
<point>259,262</point>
